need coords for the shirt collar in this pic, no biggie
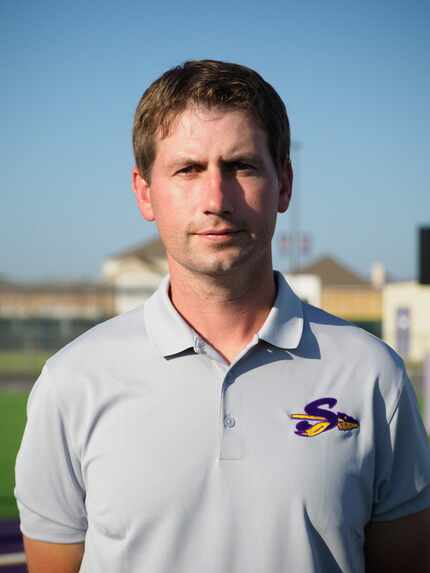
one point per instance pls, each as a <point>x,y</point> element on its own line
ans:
<point>171,334</point>
<point>284,325</point>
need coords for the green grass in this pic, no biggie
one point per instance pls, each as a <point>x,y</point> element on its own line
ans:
<point>12,421</point>
<point>20,362</point>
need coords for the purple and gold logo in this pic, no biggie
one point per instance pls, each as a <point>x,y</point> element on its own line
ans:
<point>316,420</point>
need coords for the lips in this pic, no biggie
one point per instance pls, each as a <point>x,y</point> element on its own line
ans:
<point>224,235</point>
<point>220,232</point>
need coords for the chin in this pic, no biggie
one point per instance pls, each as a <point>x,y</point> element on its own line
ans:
<point>224,266</point>
<point>222,263</point>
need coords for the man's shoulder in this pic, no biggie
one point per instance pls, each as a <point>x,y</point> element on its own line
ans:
<point>359,361</point>
<point>345,340</point>
<point>105,346</point>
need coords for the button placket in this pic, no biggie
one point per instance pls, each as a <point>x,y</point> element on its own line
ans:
<point>231,440</point>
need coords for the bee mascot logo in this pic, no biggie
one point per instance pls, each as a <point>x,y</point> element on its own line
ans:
<point>315,420</point>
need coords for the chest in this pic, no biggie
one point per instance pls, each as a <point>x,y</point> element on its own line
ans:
<point>228,443</point>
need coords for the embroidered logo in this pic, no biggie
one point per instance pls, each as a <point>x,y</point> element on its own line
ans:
<point>316,420</point>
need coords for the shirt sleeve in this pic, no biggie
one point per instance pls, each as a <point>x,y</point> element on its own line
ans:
<point>403,484</point>
<point>49,488</point>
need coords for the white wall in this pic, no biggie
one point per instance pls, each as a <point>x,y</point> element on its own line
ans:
<point>307,287</point>
<point>133,280</point>
<point>416,298</point>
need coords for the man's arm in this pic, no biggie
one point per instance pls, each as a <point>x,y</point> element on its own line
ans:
<point>49,488</point>
<point>43,557</point>
<point>399,545</point>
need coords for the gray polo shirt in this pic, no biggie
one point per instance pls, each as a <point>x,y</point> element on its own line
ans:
<point>142,441</point>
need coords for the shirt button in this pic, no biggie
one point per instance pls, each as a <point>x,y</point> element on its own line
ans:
<point>229,422</point>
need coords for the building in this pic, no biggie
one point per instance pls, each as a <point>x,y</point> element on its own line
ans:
<point>135,273</point>
<point>347,294</point>
<point>406,319</point>
<point>48,315</point>
<point>56,300</point>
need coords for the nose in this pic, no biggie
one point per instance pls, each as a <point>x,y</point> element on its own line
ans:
<point>217,193</point>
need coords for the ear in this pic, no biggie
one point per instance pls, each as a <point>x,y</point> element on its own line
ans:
<point>142,190</point>
<point>285,186</point>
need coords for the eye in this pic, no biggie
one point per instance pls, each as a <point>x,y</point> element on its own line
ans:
<point>188,169</point>
<point>240,166</point>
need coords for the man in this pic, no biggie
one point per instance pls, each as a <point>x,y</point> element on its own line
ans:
<point>224,426</point>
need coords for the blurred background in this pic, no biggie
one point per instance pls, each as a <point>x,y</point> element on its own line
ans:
<point>74,249</point>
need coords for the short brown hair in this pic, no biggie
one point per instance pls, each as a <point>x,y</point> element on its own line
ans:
<point>208,83</point>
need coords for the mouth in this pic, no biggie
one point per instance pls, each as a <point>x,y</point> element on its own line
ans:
<point>219,234</point>
<point>219,231</point>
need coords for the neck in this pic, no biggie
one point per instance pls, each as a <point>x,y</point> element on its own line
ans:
<point>226,311</point>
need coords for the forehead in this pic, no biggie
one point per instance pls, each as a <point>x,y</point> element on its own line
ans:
<point>223,128</point>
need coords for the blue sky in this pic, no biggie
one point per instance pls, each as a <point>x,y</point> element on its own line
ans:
<point>354,76</point>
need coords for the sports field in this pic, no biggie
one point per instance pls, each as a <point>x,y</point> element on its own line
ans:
<point>20,363</point>
<point>15,367</point>
<point>12,421</point>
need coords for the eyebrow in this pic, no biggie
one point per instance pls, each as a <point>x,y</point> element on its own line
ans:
<point>182,161</point>
<point>244,158</point>
<point>235,157</point>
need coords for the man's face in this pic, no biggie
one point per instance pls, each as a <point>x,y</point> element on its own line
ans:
<point>214,192</point>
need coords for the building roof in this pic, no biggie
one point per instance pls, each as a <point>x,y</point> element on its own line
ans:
<point>145,252</point>
<point>333,273</point>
